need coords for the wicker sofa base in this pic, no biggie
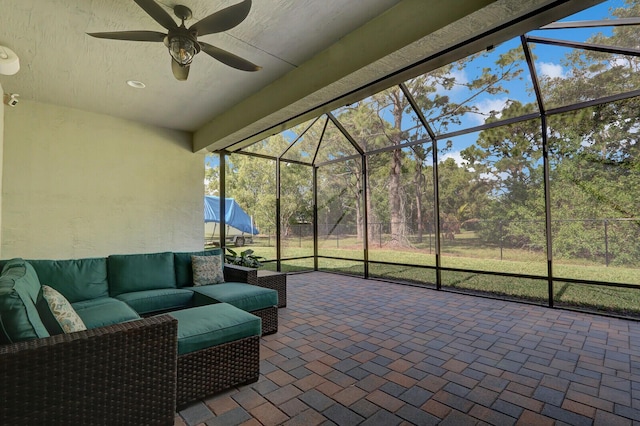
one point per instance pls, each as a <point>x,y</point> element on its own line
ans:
<point>269,319</point>
<point>218,368</point>
<point>123,374</point>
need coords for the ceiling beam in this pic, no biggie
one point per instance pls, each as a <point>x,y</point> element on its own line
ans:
<point>401,25</point>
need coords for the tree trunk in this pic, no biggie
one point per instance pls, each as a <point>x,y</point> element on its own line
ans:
<point>395,202</point>
<point>395,172</point>
<point>358,201</point>
<point>419,182</point>
<point>372,219</point>
<point>418,188</point>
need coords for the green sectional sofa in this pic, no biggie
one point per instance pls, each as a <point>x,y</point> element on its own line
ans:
<point>153,340</point>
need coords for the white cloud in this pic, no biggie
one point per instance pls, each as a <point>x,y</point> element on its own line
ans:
<point>460,76</point>
<point>618,62</point>
<point>461,80</point>
<point>494,177</point>
<point>550,70</point>
<point>486,106</point>
<point>456,157</point>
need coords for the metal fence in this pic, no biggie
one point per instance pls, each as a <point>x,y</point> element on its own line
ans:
<point>608,240</point>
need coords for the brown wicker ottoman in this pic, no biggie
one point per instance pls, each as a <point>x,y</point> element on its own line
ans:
<point>218,348</point>
<point>275,281</point>
<point>250,298</point>
<point>269,318</point>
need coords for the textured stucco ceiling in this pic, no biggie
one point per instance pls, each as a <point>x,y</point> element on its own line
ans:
<point>62,65</point>
<point>311,51</point>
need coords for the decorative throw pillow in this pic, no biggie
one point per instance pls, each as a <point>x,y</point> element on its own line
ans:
<point>63,313</point>
<point>207,270</point>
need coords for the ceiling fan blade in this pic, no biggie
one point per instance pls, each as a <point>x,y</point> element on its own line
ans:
<point>222,20</point>
<point>179,72</point>
<point>131,35</point>
<point>228,58</point>
<point>160,15</point>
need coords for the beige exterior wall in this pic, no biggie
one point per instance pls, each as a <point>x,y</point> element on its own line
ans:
<point>78,184</point>
<point>1,160</point>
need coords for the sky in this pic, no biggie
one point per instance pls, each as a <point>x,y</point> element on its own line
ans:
<point>548,63</point>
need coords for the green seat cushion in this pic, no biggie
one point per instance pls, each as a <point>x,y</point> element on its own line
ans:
<point>211,325</point>
<point>138,272</point>
<point>19,291</point>
<point>104,311</point>
<point>244,296</point>
<point>183,267</point>
<point>144,302</point>
<point>76,279</point>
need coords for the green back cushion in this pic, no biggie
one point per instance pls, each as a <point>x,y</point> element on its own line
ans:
<point>138,272</point>
<point>19,290</point>
<point>76,280</point>
<point>184,271</point>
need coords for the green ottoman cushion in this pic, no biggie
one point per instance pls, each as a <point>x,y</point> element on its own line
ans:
<point>104,311</point>
<point>244,296</point>
<point>76,279</point>
<point>144,302</point>
<point>137,272</point>
<point>19,291</point>
<point>211,325</point>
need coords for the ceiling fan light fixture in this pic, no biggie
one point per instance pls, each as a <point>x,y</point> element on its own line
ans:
<point>183,49</point>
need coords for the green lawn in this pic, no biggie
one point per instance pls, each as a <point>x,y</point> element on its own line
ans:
<point>467,254</point>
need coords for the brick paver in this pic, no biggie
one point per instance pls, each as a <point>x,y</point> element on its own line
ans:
<point>353,351</point>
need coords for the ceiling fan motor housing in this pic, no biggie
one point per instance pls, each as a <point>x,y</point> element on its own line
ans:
<point>182,12</point>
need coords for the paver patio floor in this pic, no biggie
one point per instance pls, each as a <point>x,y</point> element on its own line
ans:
<point>351,351</point>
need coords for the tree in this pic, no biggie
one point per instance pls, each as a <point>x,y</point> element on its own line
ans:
<point>420,157</point>
<point>364,126</point>
<point>339,183</point>
<point>593,155</point>
<point>296,196</point>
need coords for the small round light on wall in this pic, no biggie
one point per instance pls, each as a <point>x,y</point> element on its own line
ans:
<point>136,84</point>
<point>9,62</point>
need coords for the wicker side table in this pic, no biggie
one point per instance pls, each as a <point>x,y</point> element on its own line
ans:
<point>275,281</point>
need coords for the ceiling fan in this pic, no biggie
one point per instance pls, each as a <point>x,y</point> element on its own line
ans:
<point>182,42</point>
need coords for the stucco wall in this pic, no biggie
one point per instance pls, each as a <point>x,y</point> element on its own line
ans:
<point>79,184</point>
<point>1,161</point>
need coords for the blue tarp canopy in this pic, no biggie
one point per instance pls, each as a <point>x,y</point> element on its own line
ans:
<point>234,215</point>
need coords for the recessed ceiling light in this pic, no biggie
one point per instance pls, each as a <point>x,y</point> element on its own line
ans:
<point>136,84</point>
